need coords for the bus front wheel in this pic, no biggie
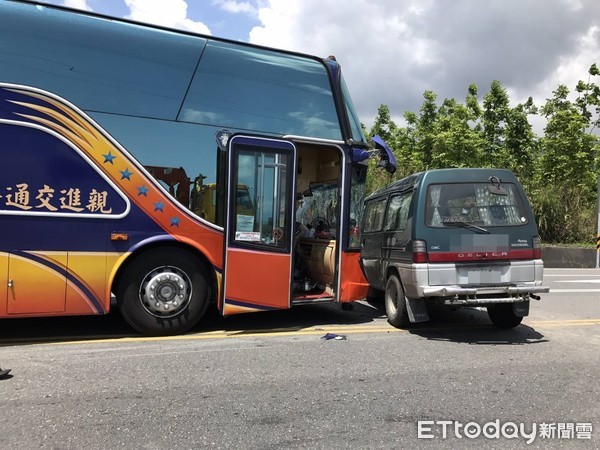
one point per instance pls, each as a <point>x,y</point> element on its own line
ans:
<point>164,292</point>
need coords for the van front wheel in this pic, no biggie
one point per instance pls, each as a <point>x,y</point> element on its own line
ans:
<point>503,316</point>
<point>395,303</point>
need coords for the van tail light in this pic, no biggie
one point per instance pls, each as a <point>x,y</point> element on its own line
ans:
<point>419,252</point>
<point>537,247</point>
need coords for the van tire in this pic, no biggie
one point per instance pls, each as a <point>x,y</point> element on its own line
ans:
<point>181,280</point>
<point>395,303</point>
<point>502,316</point>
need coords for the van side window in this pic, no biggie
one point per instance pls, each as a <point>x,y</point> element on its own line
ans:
<point>374,215</point>
<point>397,214</point>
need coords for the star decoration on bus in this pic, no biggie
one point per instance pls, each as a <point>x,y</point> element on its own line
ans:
<point>143,190</point>
<point>126,174</point>
<point>109,157</point>
<point>159,206</point>
<point>175,221</point>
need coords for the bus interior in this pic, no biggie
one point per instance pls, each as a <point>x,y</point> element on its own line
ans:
<point>318,186</point>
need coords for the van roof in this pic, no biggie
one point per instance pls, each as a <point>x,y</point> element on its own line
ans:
<point>452,175</point>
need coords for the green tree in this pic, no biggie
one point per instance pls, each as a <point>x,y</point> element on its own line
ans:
<point>425,130</point>
<point>457,143</point>
<point>495,117</point>
<point>521,144</point>
<point>385,128</point>
<point>568,151</point>
<point>510,140</point>
<point>565,199</point>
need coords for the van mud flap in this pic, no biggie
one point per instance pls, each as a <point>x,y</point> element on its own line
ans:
<point>417,310</point>
<point>521,309</point>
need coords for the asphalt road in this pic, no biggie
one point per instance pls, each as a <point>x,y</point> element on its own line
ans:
<point>270,381</point>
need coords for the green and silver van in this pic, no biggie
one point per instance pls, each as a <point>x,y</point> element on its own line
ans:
<point>456,237</point>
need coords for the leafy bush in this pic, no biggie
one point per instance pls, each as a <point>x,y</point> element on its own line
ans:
<point>564,214</point>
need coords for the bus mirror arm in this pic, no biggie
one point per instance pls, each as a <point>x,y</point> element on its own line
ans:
<point>386,156</point>
<point>379,149</point>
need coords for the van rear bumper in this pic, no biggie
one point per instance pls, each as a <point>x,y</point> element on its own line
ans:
<point>454,284</point>
<point>457,295</point>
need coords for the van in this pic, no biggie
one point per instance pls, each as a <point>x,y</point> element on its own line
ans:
<point>455,237</point>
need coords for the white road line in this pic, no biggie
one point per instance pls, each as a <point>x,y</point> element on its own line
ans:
<point>561,275</point>
<point>565,291</point>
<point>578,281</point>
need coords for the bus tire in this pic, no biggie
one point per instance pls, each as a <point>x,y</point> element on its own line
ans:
<point>395,303</point>
<point>164,291</point>
<point>503,316</point>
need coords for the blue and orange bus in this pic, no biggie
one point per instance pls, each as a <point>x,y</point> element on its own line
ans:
<point>111,133</point>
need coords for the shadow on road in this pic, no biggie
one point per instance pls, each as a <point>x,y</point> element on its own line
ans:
<point>473,326</point>
<point>296,318</point>
<point>26,331</point>
<point>469,326</point>
<point>466,325</point>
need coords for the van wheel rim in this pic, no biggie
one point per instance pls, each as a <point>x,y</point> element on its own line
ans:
<point>392,298</point>
<point>165,291</point>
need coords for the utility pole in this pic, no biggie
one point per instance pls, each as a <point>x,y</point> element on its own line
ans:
<point>598,228</point>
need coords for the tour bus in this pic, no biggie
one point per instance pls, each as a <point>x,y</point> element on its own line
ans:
<point>108,130</point>
<point>454,237</point>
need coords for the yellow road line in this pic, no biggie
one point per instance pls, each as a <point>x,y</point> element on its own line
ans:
<point>316,330</point>
<point>565,323</point>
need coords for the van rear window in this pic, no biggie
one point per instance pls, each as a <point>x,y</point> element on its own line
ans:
<point>478,203</point>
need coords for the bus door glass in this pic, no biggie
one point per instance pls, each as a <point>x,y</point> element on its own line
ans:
<point>259,226</point>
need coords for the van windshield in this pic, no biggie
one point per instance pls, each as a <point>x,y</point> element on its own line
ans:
<point>481,204</point>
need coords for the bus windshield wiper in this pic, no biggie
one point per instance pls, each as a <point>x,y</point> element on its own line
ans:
<point>465,224</point>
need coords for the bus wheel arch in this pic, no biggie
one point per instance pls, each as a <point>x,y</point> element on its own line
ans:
<point>164,289</point>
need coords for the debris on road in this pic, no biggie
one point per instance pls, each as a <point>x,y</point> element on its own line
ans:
<point>330,336</point>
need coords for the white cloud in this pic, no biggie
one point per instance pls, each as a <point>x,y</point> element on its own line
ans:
<point>573,66</point>
<point>236,7</point>
<point>391,51</point>
<point>170,14</point>
<point>78,4</point>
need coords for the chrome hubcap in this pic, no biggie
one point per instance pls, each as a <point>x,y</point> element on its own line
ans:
<point>165,291</point>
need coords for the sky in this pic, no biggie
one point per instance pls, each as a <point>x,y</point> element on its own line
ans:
<point>392,51</point>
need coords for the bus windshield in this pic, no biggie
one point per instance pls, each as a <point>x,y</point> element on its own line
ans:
<point>355,128</point>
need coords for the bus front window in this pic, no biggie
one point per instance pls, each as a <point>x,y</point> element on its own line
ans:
<point>357,197</point>
<point>355,128</point>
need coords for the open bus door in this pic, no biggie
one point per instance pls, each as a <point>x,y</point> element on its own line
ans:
<point>257,273</point>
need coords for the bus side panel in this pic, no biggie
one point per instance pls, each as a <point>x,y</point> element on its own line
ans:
<point>87,284</point>
<point>37,283</point>
<point>3,282</point>
<point>83,187</point>
<point>354,285</point>
<point>40,283</point>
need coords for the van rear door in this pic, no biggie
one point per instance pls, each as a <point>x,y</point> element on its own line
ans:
<point>484,223</point>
